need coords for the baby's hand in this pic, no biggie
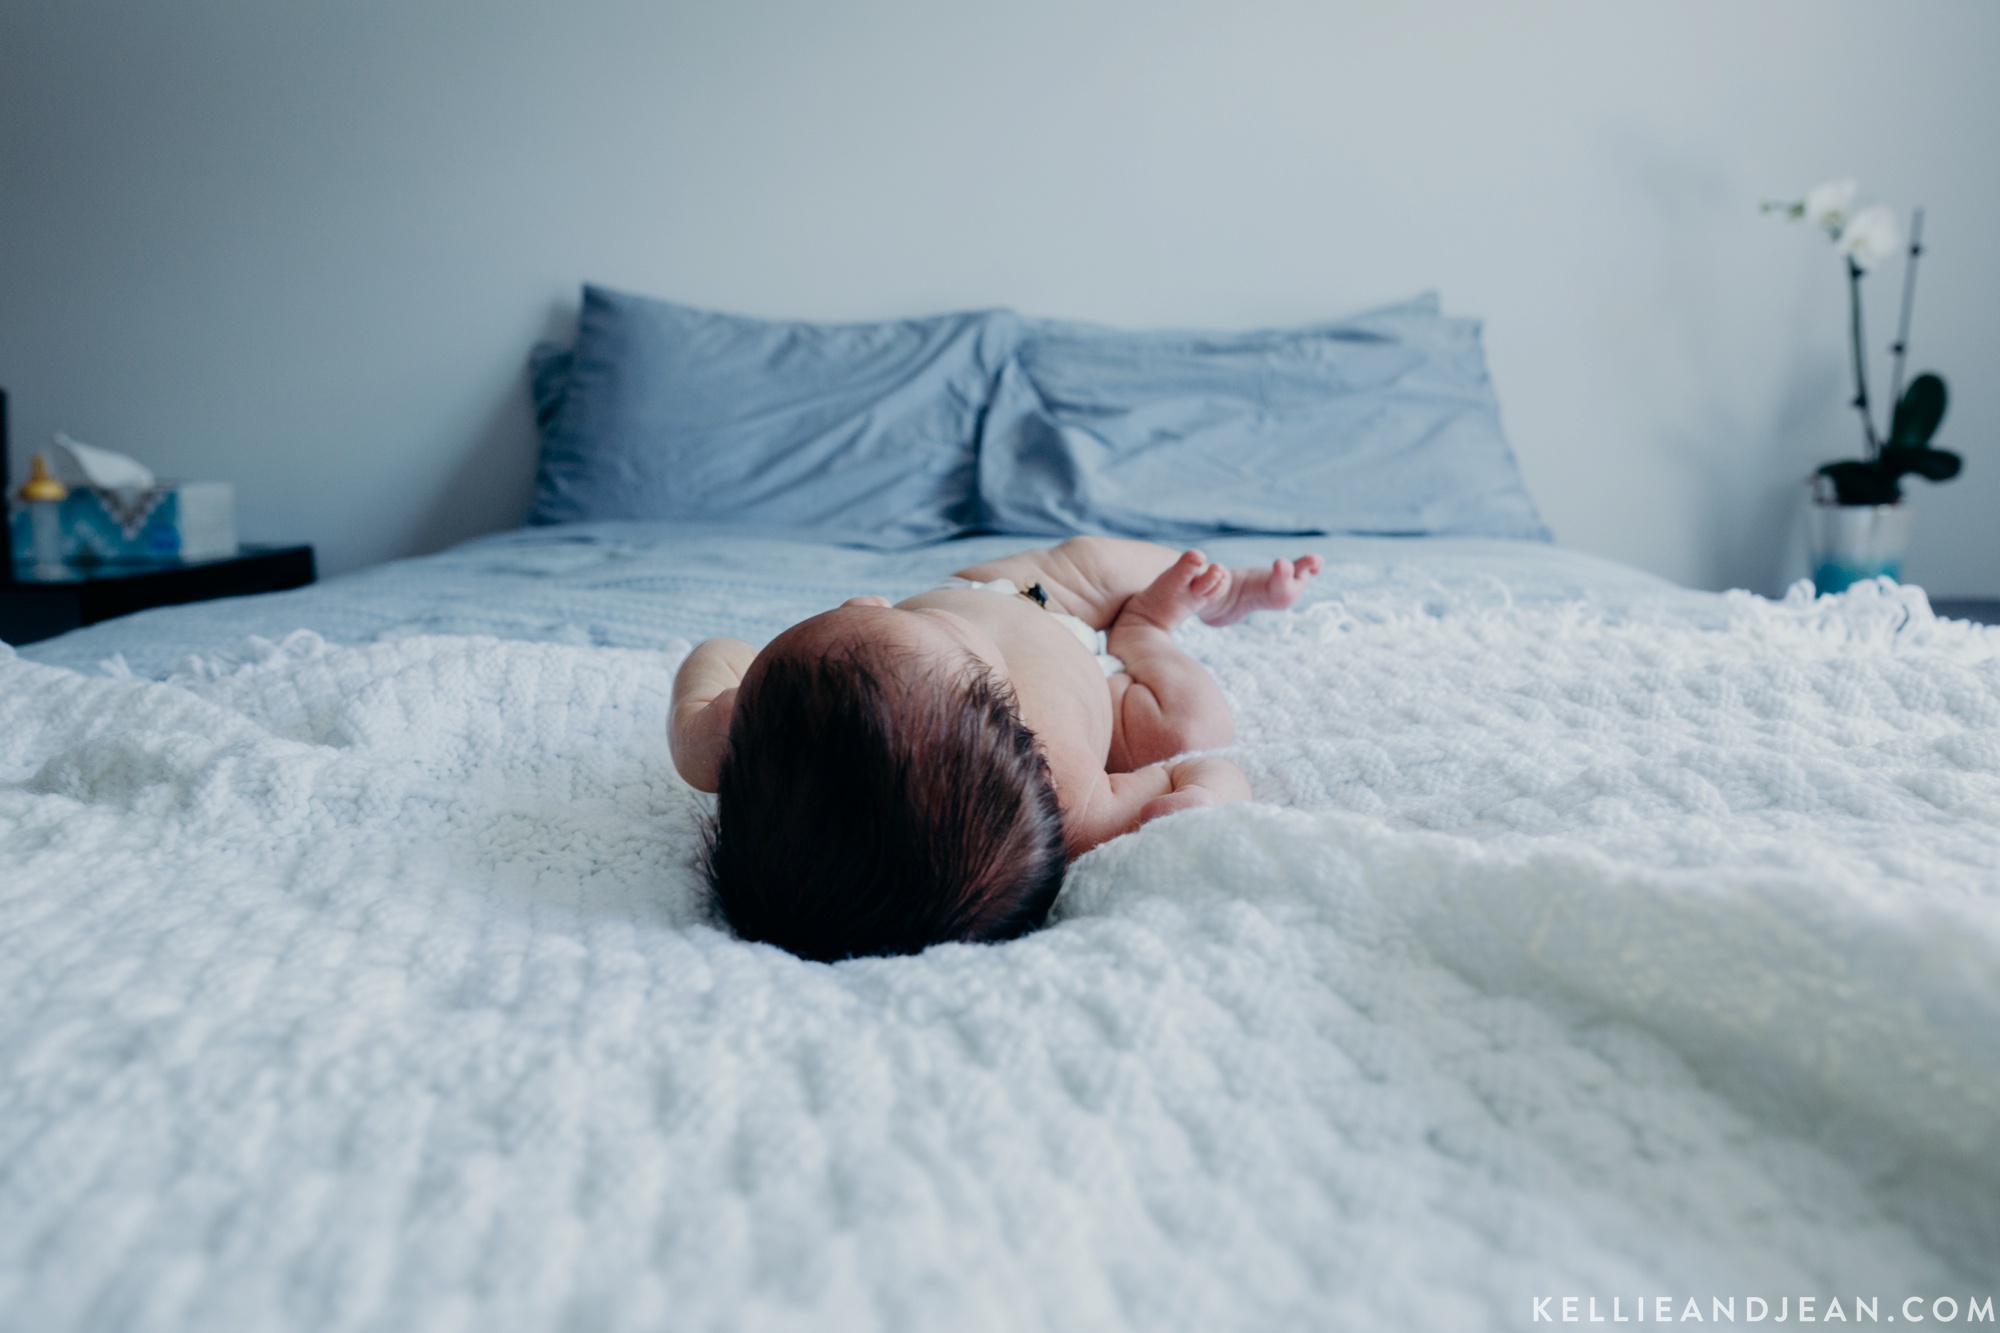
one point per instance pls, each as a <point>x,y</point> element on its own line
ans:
<point>1204,781</point>
<point>1117,803</point>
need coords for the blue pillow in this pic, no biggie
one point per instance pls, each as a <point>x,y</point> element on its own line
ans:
<point>857,433</point>
<point>1385,423</point>
<point>548,381</point>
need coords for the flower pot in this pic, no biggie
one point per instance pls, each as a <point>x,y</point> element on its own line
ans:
<point>1850,543</point>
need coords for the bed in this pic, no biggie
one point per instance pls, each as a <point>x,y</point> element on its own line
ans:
<point>1590,940</point>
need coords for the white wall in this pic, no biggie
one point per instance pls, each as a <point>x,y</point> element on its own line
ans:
<point>306,245</point>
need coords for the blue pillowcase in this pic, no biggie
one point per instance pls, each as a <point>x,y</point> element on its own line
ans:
<point>857,433</point>
<point>1385,423</point>
<point>548,381</point>
<point>904,433</point>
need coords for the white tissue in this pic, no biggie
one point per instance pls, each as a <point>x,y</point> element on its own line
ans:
<point>106,468</point>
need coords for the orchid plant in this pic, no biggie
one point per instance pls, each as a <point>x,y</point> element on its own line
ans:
<point>1864,239</point>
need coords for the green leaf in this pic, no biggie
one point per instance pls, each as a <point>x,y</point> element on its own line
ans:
<point>1918,415</point>
<point>1934,464</point>
<point>1940,464</point>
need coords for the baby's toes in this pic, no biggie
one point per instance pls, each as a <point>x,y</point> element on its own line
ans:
<point>1183,588</point>
<point>1283,587</point>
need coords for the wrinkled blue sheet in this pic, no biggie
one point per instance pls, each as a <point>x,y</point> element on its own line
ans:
<point>649,585</point>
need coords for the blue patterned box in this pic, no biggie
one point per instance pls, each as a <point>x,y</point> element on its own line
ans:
<point>188,520</point>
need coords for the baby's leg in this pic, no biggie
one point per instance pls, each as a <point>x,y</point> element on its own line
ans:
<point>1271,589</point>
<point>1092,578</point>
<point>1193,587</point>
<point>1088,577</point>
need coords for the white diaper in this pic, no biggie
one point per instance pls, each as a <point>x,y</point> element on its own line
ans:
<point>1093,640</point>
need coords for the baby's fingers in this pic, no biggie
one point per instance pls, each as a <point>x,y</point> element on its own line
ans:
<point>1187,798</point>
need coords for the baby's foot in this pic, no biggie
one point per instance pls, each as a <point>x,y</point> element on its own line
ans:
<point>1190,586</point>
<point>1271,589</point>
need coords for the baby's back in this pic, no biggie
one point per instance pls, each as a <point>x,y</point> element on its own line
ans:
<point>1057,682</point>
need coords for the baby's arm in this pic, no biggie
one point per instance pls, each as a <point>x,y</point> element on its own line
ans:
<point>704,695</point>
<point>1121,802</point>
<point>1165,703</point>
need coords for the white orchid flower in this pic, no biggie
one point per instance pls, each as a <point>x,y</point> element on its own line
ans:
<point>1871,237</point>
<point>1827,205</point>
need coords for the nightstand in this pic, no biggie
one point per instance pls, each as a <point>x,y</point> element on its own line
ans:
<point>1985,610</point>
<point>32,609</point>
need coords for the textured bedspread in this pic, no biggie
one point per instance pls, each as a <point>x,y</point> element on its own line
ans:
<point>1631,952</point>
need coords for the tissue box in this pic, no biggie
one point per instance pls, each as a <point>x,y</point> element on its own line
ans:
<point>187,520</point>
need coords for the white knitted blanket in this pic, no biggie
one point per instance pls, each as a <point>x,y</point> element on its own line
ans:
<point>369,988</point>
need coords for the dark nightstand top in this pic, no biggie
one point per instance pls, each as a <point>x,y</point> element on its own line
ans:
<point>1985,610</point>
<point>33,609</point>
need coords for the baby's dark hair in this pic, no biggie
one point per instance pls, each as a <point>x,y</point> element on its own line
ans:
<point>869,803</point>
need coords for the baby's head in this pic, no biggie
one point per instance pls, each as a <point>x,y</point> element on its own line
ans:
<point>880,793</point>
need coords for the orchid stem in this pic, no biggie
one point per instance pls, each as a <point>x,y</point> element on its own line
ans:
<point>1860,360</point>
<point>1902,347</point>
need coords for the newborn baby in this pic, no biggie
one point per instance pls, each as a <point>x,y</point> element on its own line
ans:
<point>890,777</point>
